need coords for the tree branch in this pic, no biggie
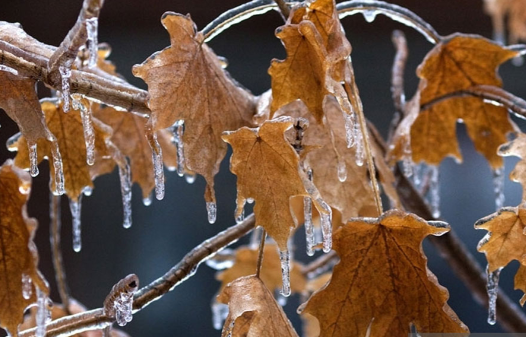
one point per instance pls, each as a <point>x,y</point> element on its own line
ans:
<point>397,79</point>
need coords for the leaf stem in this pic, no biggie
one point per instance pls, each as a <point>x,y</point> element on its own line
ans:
<point>260,254</point>
<point>284,9</point>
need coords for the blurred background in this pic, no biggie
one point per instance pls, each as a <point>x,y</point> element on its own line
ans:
<point>163,232</point>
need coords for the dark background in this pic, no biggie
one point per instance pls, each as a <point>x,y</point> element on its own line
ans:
<point>163,232</point>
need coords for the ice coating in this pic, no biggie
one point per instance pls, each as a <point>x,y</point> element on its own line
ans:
<point>369,15</point>
<point>493,288</point>
<point>65,73</point>
<point>178,132</point>
<point>360,151</point>
<point>33,158</point>
<point>75,208</point>
<point>284,257</point>
<point>92,25</point>
<point>123,308</point>
<point>326,226</point>
<point>42,313</point>
<point>350,128</point>
<point>211,209</point>
<point>27,286</point>
<point>158,167</point>
<point>309,227</point>
<point>498,187</point>
<point>89,134</point>
<point>240,206</point>
<point>57,167</point>
<point>126,191</point>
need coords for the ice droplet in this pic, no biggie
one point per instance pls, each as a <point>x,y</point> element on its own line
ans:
<point>434,192</point>
<point>89,135</point>
<point>87,191</point>
<point>92,25</point>
<point>369,15</point>
<point>43,313</point>
<point>350,128</point>
<point>147,201</point>
<point>57,167</point>
<point>407,158</point>
<point>309,227</point>
<point>211,208</point>
<point>33,158</point>
<point>190,178</point>
<point>342,170</point>
<point>178,131</point>
<point>240,206</point>
<point>126,191</point>
<point>27,286</point>
<point>284,257</point>
<point>65,73</point>
<point>123,308</point>
<point>517,61</point>
<point>498,187</point>
<point>219,314</point>
<point>282,300</point>
<point>360,151</point>
<point>250,200</point>
<point>493,288</point>
<point>326,226</point>
<point>158,167</point>
<point>75,208</point>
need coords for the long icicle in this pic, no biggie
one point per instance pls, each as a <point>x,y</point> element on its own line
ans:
<point>307,214</point>
<point>75,208</point>
<point>493,289</point>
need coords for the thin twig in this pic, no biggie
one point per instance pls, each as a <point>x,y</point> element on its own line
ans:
<point>283,8</point>
<point>260,253</point>
<point>319,263</point>
<point>397,79</point>
<point>56,251</point>
<point>96,319</point>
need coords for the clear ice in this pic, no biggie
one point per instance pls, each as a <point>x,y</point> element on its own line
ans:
<point>309,227</point>
<point>27,286</point>
<point>434,192</point>
<point>126,191</point>
<point>350,128</point>
<point>282,300</point>
<point>189,177</point>
<point>93,43</point>
<point>219,314</point>
<point>493,288</point>
<point>65,73</point>
<point>498,187</point>
<point>284,257</point>
<point>178,131</point>
<point>33,158</point>
<point>158,167</point>
<point>211,209</point>
<point>369,15</point>
<point>407,158</point>
<point>75,207</point>
<point>221,260</point>
<point>123,308</point>
<point>326,225</point>
<point>42,313</point>
<point>147,201</point>
<point>57,167</point>
<point>342,170</point>
<point>89,134</point>
<point>360,151</point>
<point>241,217</point>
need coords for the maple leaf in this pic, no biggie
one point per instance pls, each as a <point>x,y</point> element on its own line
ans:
<point>456,63</point>
<point>67,127</point>
<point>270,274</point>
<point>382,283</point>
<point>267,170</point>
<point>253,311</point>
<point>186,82</point>
<point>18,253</point>
<point>517,147</point>
<point>505,242</point>
<point>129,137</point>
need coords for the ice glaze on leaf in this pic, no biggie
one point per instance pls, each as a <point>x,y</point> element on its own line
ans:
<point>186,82</point>
<point>505,242</point>
<point>459,62</point>
<point>67,127</point>
<point>267,170</point>
<point>18,253</point>
<point>382,282</point>
<point>253,311</point>
<point>129,137</point>
<point>517,147</point>
<point>270,274</point>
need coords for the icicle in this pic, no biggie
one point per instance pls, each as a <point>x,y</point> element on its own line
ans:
<point>75,207</point>
<point>147,201</point>
<point>407,158</point>
<point>27,286</point>
<point>369,15</point>
<point>87,191</point>
<point>57,167</point>
<point>241,217</point>
<point>493,288</point>
<point>284,257</point>
<point>326,226</point>
<point>219,314</point>
<point>250,200</point>
<point>498,187</point>
<point>434,192</point>
<point>211,208</point>
<point>92,29</point>
<point>178,131</point>
<point>360,151</point>
<point>158,167</point>
<point>189,177</point>
<point>350,127</point>
<point>65,73</point>
<point>309,227</point>
<point>123,308</point>
<point>89,135</point>
<point>33,158</point>
<point>42,313</point>
<point>126,191</point>
<point>342,170</point>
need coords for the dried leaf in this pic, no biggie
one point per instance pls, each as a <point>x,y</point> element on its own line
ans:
<point>270,274</point>
<point>253,311</point>
<point>18,253</point>
<point>382,283</point>
<point>515,11</point>
<point>267,170</point>
<point>311,326</point>
<point>129,137</point>
<point>517,147</point>
<point>67,127</point>
<point>459,62</point>
<point>505,242</point>
<point>186,82</point>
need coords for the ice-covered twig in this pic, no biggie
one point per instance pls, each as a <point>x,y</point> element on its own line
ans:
<point>319,264</point>
<point>56,251</point>
<point>397,77</point>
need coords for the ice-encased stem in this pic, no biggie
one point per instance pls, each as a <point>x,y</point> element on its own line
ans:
<point>219,314</point>
<point>57,167</point>
<point>284,257</point>
<point>27,286</point>
<point>92,27</point>
<point>434,192</point>
<point>211,209</point>
<point>493,288</point>
<point>89,134</point>
<point>498,187</point>
<point>75,208</point>
<point>42,313</point>
<point>126,191</point>
<point>33,158</point>
<point>65,73</point>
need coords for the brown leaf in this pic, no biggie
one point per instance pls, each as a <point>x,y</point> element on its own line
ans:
<point>270,274</point>
<point>67,127</point>
<point>459,62</point>
<point>505,242</point>
<point>18,253</point>
<point>515,11</point>
<point>129,136</point>
<point>382,283</point>
<point>267,170</point>
<point>311,326</point>
<point>186,82</point>
<point>517,147</point>
<point>253,311</point>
